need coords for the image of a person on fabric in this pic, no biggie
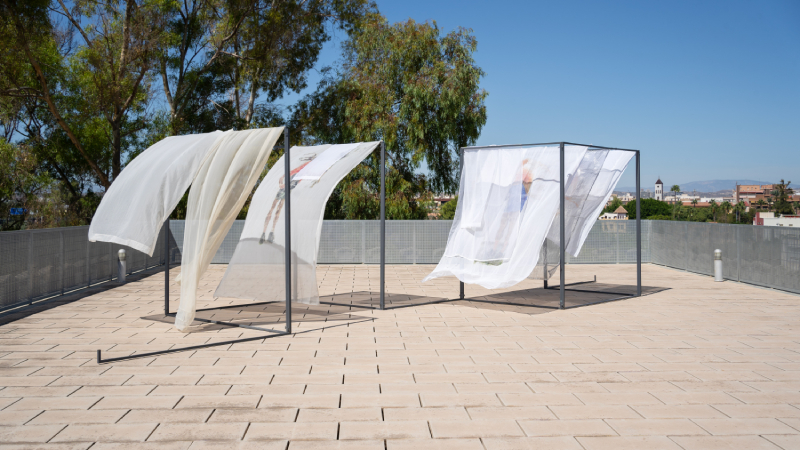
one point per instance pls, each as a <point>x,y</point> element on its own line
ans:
<point>512,216</point>
<point>280,198</point>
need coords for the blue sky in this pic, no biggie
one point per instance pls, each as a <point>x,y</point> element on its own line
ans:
<point>707,90</point>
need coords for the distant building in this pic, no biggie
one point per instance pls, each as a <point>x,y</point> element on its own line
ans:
<point>645,193</point>
<point>659,195</point>
<point>751,194</point>
<point>620,214</point>
<point>438,202</point>
<point>768,219</point>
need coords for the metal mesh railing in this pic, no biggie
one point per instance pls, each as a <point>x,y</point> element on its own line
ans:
<point>42,263</point>
<point>765,256</point>
<point>37,264</point>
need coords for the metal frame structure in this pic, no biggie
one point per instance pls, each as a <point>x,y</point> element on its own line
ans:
<point>288,270</point>
<point>382,305</point>
<point>562,287</point>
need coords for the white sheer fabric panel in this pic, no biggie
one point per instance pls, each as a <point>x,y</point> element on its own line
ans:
<point>218,193</point>
<point>508,198</point>
<point>139,201</point>
<point>613,165</point>
<point>576,192</point>
<point>257,269</point>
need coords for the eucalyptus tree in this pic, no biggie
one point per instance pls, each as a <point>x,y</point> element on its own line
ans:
<point>82,71</point>
<point>222,57</point>
<point>411,86</point>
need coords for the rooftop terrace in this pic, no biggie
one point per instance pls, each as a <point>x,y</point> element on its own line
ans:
<point>693,364</point>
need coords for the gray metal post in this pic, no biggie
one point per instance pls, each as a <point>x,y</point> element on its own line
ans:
<point>738,254</point>
<point>63,259</point>
<point>638,229</point>
<point>88,255</point>
<point>544,269</point>
<point>30,267</point>
<point>383,224</point>
<point>166,266</point>
<point>563,228</point>
<point>460,172</point>
<point>287,186</point>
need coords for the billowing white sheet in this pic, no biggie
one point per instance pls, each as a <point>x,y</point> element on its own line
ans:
<point>614,164</point>
<point>508,198</point>
<point>257,269</point>
<point>509,203</point>
<point>139,201</point>
<point>218,193</point>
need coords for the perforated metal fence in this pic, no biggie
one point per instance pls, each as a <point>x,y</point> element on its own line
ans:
<point>765,256</point>
<point>37,264</point>
<point>44,263</point>
<point>423,242</point>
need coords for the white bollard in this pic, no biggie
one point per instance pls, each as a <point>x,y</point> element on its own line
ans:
<point>718,265</point>
<point>121,270</point>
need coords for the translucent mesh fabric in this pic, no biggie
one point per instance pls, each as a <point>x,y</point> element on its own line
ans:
<point>585,194</point>
<point>495,241</point>
<point>614,164</point>
<point>145,193</point>
<point>257,269</point>
<point>576,190</point>
<point>218,193</point>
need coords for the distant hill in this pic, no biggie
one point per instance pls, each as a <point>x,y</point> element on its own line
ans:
<point>699,186</point>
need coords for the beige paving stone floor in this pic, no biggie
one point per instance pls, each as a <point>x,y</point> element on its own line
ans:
<point>693,365</point>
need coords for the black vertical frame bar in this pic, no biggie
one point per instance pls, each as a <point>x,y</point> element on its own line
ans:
<point>287,185</point>
<point>638,228</point>
<point>544,268</point>
<point>383,225</point>
<point>460,173</point>
<point>562,221</point>
<point>166,266</point>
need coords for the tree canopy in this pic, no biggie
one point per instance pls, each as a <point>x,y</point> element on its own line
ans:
<point>417,90</point>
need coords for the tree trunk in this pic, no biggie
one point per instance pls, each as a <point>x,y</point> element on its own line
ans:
<point>116,162</point>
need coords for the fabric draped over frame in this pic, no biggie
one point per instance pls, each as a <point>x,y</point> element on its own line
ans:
<point>509,201</point>
<point>257,269</point>
<point>136,205</point>
<point>218,194</point>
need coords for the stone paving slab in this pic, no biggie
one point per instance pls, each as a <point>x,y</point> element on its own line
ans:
<point>692,365</point>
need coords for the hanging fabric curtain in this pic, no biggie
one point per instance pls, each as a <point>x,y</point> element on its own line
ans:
<point>257,269</point>
<point>223,183</point>
<point>508,198</point>
<point>605,182</point>
<point>144,194</point>
<point>576,191</point>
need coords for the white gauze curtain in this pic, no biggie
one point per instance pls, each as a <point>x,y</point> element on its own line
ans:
<point>576,192</point>
<point>144,194</point>
<point>508,198</point>
<point>218,193</point>
<point>614,165</point>
<point>257,269</point>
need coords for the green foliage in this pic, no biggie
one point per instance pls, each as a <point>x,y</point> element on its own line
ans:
<point>222,56</point>
<point>413,88</point>
<point>659,217</point>
<point>782,195</point>
<point>80,82</point>
<point>23,184</point>
<point>448,210</point>
<point>615,203</point>
<point>650,207</point>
